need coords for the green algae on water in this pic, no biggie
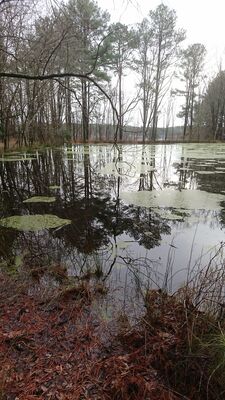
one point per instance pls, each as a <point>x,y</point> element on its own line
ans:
<point>34,222</point>
<point>185,199</point>
<point>40,199</point>
<point>12,159</point>
<point>205,172</point>
<point>54,187</point>
<point>171,216</point>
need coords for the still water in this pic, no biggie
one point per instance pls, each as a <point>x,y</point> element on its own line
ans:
<point>133,216</point>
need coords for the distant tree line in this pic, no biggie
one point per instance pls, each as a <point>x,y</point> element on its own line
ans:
<point>65,75</point>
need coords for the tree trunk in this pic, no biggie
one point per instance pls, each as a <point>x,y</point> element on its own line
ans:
<point>158,75</point>
<point>85,113</point>
<point>120,104</point>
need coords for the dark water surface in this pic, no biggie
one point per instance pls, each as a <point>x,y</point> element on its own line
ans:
<point>140,215</point>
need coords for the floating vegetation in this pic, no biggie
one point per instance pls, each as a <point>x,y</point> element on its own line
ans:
<point>186,199</point>
<point>171,216</point>
<point>182,212</point>
<point>11,154</point>
<point>86,150</point>
<point>208,151</point>
<point>82,149</point>
<point>70,151</point>
<point>185,169</point>
<point>14,159</point>
<point>207,164</point>
<point>40,199</point>
<point>33,222</point>
<point>54,187</point>
<point>205,172</point>
<point>126,168</point>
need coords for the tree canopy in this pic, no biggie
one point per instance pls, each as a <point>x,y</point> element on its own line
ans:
<point>67,73</point>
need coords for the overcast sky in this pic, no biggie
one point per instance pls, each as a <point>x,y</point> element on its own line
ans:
<point>204,21</point>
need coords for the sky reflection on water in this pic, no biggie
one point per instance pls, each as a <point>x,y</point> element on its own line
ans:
<point>112,236</point>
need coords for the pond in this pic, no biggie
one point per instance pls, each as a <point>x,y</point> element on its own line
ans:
<point>133,216</point>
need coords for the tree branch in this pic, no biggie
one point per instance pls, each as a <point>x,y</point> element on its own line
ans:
<point>65,75</point>
<point>97,54</point>
<point>54,50</point>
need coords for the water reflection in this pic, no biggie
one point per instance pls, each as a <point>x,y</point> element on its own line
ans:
<point>108,237</point>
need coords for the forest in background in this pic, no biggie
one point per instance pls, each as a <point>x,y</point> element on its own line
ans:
<point>65,71</point>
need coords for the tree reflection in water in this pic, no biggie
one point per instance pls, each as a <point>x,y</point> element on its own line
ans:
<point>105,235</point>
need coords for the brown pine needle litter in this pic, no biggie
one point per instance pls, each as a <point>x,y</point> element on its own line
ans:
<point>56,347</point>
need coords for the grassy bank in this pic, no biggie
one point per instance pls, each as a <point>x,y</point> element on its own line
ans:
<point>53,345</point>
